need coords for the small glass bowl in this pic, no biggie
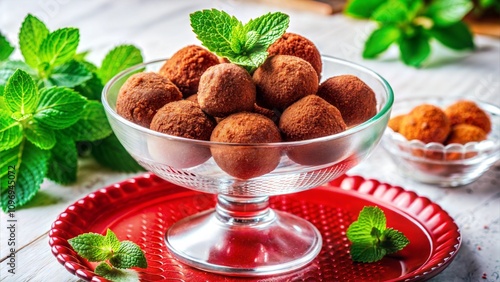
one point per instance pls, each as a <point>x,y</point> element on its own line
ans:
<point>434,163</point>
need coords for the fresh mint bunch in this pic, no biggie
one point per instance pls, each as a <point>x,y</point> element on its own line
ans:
<point>412,25</point>
<point>371,239</point>
<point>243,44</point>
<point>114,256</point>
<point>50,107</point>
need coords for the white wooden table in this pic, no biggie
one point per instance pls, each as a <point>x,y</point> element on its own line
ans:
<point>160,28</point>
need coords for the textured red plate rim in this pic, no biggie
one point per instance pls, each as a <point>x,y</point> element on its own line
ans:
<point>446,237</point>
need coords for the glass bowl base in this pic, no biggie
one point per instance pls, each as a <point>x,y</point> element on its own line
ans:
<point>277,242</point>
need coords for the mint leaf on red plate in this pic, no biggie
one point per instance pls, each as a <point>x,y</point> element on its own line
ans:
<point>370,239</point>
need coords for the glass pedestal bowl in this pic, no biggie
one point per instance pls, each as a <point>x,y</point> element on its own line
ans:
<point>242,235</point>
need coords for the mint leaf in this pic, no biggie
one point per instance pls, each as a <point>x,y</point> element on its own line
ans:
<point>116,275</point>
<point>362,8</point>
<point>110,153</point>
<point>414,48</point>
<point>366,252</point>
<point>393,240</point>
<point>31,166</point>
<point>91,89</point>
<point>31,35</point>
<point>245,45</point>
<point>117,60</point>
<point>40,135</point>
<point>63,162</point>
<point>92,125</point>
<point>8,68</point>
<point>128,255</point>
<point>59,46</point>
<point>92,246</point>
<point>214,29</point>
<point>5,48</point>
<point>69,74</point>
<point>447,12</point>
<point>59,107</point>
<point>370,240</point>
<point>21,94</point>
<point>112,240</point>
<point>455,36</point>
<point>391,12</point>
<point>380,40</point>
<point>268,28</point>
<point>11,131</point>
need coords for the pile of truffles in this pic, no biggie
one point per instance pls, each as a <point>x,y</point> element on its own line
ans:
<point>200,96</point>
<point>459,123</point>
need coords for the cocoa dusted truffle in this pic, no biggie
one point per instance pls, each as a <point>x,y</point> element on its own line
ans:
<point>246,162</point>
<point>465,133</point>
<point>226,89</point>
<point>354,98</point>
<point>313,117</point>
<point>468,112</point>
<point>299,46</point>
<point>282,80</point>
<point>186,66</point>
<point>143,94</point>
<point>427,123</point>
<point>184,119</point>
<point>310,117</point>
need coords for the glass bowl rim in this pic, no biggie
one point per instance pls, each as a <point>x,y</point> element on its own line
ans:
<point>350,131</point>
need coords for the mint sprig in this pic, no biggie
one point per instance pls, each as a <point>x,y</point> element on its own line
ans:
<point>371,239</point>
<point>50,105</point>
<point>243,44</point>
<point>413,25</point>
<point>114,255</point>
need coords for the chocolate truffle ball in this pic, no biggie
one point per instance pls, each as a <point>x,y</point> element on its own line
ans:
<point>310,117</point>
<point>427,123</point>
<point>465,133</point>
<point>355,99</point>
<point>468,112</point>
<point>246,162</point>
<point>226,89</point>
<point>186,66</point>
<point>299,46</point>
<point>184,119</point>
<point>143,94</point>
<point>282,80</point>
<point>313,117</point>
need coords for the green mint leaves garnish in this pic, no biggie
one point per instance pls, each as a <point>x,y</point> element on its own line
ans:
<point>50,108</point>
<point>5,48</point>
<point>412,25</point>
<point>370,238</point>
<point>243,44</point>
<point>113,255</point>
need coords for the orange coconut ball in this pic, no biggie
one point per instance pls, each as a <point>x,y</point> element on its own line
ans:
<point>465,133</point>
<point>395,123</point>
<point>427,123</point>
<point>468,112</point>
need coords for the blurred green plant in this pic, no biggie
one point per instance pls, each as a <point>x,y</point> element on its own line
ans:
<point>412,24</point>
<point>49,106</point>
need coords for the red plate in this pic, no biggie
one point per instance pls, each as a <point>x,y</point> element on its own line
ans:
<point>142,208</point>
